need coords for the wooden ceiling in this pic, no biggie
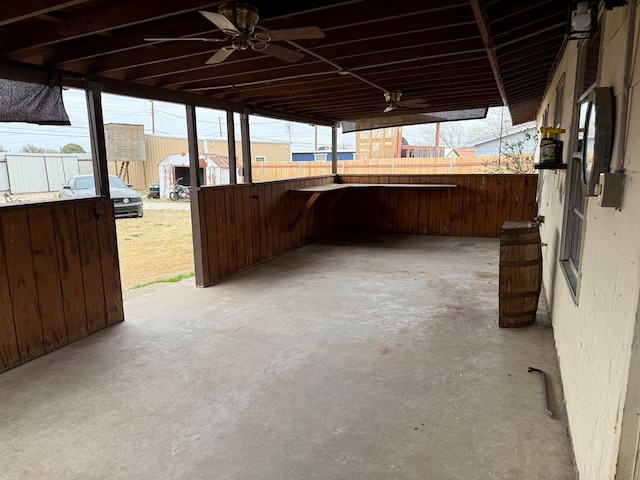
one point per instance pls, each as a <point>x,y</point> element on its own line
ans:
<point>451,55</point>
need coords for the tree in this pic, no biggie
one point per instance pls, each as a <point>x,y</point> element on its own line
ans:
<point>72,148</point>
<point>514,158</point>
<point>452,134</point>
<point>497,121</point>
<point>2,149</point>
<point>31,148</point>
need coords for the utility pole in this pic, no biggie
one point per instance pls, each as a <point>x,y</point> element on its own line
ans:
<point>316,140</point>
<point>220,125</point>
<point>153,119</point>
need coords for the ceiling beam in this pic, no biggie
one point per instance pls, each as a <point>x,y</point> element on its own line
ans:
<point>478,11</point>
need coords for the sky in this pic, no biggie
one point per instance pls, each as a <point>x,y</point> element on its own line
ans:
<point>169,119</point>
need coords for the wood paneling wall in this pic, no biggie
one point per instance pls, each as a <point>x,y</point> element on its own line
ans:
<point>476,207</point>
<point>59,276</point>
<point>243,225</point>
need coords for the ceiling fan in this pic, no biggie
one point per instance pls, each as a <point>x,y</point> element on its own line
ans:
<point>238,22</point>
<point>392,100</point>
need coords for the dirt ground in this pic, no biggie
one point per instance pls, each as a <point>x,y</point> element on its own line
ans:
<point>157,246</point>
<point>154,247</point>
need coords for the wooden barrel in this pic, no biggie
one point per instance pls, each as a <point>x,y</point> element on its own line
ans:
<point>520,273</point>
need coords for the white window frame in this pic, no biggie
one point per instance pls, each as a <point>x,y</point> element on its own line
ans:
<point>574,224</point>
<point>261,158</point>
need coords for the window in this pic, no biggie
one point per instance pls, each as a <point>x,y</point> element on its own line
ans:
<point>574,221</point>
<point>320,156</point>
<point>261,158</point>
<point>557,111</point>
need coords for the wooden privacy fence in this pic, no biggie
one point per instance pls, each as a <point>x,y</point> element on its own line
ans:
<point>59,276</point>
<point>267,171</point>
<point>242,225</point>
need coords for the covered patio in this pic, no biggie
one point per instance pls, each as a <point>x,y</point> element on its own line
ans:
<point>360,357</point>
<point>351,331</point>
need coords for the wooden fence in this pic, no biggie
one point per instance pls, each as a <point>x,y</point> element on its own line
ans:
<point>59,280</point>
<point>267,171</point>
<point>243,225</point>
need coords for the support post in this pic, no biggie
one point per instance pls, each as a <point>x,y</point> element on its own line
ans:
<point>192,141</point>
<point>334,149</point>
<point>200,254</point>
<point>246,147</point>
<point>231,144</point>
<point>93,92</point>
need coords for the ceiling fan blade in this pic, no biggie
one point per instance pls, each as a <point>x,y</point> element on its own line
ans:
<point>301,33</point>
<point>222,22</point>
<point>277,51</point>
<point>220,56</point>
<point>390,108</point>
<point>181,39</point>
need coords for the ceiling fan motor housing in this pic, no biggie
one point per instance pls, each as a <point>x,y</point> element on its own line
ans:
<point>392,97</point>
<point>242,15</point>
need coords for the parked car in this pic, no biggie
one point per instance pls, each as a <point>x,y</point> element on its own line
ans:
<point>126,201</point>
<point>154,190</point>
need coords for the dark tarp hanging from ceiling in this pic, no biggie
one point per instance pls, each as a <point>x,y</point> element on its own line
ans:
<point>385,121</point>
<point>32,103</point>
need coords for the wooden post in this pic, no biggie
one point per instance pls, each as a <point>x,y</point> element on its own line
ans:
<point>231,143</point>
<point>246,147</point>
<point>194,154</point>
<point>200,254</point>
<point>96,131</point>
<point>334,149</point>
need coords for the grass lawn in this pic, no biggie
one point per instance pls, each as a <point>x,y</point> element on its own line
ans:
<point>156,247</point>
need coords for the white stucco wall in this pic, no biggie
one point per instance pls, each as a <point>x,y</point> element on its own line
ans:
<point>595,331</point>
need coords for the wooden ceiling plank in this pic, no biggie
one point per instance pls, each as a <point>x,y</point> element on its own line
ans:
<point>108,16</point>
<point>13,12</point>
<point>321,89</point>
<point>336,92</point>
<point>357,63</point>
<point>302,84</point>
<point>165,55</point>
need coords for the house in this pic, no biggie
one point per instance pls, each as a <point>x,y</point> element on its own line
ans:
<point>591,233</point>
<point>497,143</point>
<point>324,155</point>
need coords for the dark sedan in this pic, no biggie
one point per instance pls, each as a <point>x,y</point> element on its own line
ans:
<point>126,201</point>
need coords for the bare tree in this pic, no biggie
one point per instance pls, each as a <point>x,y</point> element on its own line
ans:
<point>30,148</point>
<point>452,134</point>
<point>497,121</point>
<point>515,159</point>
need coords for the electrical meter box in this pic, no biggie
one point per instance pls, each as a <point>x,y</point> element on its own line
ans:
<point>609,190</point>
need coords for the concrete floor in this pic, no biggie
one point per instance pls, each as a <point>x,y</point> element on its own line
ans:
<point>364,358</point>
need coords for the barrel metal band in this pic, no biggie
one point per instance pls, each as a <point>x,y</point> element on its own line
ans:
<point>520,242</point>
